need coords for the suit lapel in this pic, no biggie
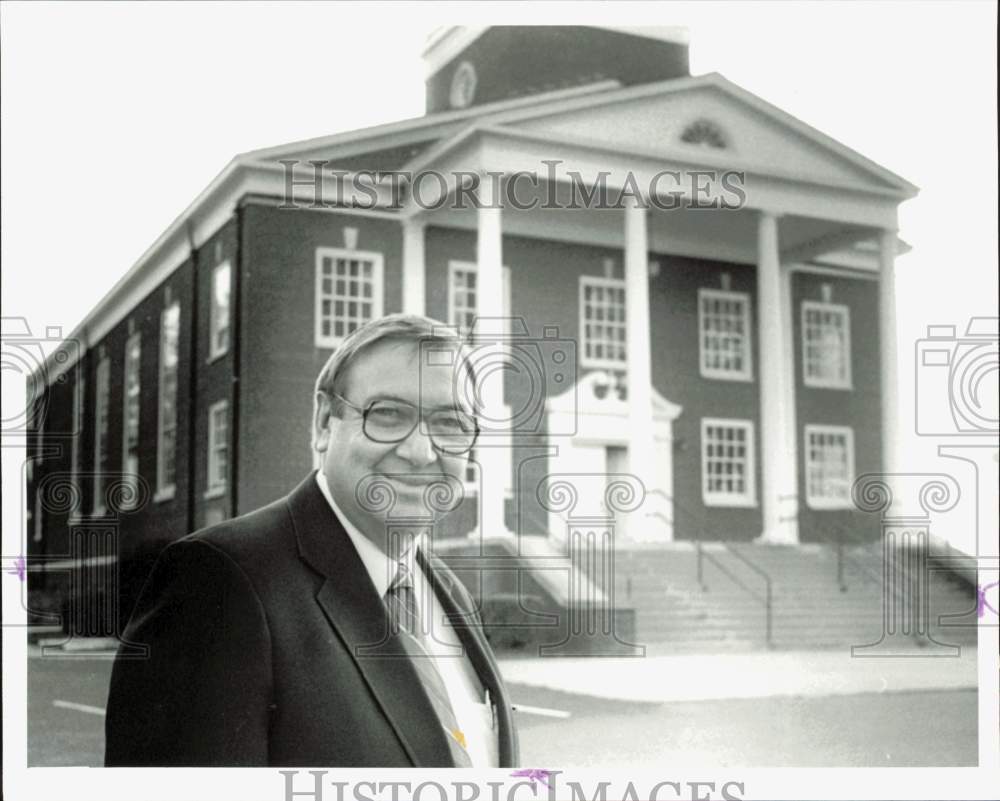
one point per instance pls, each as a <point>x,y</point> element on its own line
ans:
<point>356,612</point>
<point>458,606</point>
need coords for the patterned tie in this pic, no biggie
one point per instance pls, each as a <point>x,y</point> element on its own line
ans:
<point>404,620</point>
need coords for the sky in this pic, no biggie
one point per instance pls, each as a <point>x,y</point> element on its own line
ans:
<point>114,116</point>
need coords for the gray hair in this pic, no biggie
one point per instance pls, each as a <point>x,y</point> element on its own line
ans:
<point>413,328</point>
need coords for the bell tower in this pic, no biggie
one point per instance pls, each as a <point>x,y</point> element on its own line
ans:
<point>469,66</point>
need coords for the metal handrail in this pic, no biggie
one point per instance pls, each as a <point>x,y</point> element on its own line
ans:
<point>766,599</point>
<point>876,577</point>
<point>703,555</point>
<point>844,558</point>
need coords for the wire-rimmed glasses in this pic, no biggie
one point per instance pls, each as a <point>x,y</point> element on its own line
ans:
<point>388,421</point>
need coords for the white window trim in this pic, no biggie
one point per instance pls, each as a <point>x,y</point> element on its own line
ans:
<point>820,383</point>
<point>590,361</point>
<point>218,489</point>
<point>378,288</point>
<point>456,266</point>
<point>126,365</point>
<point>166,492</point>
<point>747,500</point>
<point>823,503</point>
<point>103,369</point>
<point>746,374</point>
<point>214,352</point>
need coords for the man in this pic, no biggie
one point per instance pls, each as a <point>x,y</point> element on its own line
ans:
<point>301,634</point>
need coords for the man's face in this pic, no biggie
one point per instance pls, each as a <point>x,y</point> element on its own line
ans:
<point>386,370</point>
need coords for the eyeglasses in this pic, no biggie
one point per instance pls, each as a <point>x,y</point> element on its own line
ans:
<point>451,431</point>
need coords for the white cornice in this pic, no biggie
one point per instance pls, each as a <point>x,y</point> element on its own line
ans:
<point>418,129</point>
<point>199,221</point>
<point>446,43</point>
<point>666,157</point>
<point>678,34</point>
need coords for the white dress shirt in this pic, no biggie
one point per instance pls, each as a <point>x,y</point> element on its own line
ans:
<point>472,707</point>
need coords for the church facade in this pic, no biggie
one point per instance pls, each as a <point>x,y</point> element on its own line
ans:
<point>684,287</point>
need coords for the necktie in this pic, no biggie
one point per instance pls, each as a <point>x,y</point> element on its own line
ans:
<point>404,619</point>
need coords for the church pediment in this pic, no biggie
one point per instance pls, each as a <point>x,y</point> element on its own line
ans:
<point>708,120</point>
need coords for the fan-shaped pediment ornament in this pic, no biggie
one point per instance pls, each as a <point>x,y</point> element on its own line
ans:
<point>704,132</point>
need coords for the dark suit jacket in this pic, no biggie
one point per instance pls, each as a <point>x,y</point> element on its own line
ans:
<point>252,627</point>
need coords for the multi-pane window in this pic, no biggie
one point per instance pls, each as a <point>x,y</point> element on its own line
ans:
<point>463,289</point>
<point>826,345</point>
<point>218,327</point>
<point>724,334</point>
<point>130,418</point>
<point>727,462</point>
<point>348,292</point>
<point>166,427</point>
<point>829,466</point>
<point>102,396</point>
<point>602,321</point>
<point>218,448</point>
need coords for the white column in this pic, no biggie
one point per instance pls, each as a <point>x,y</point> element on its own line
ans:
<point>641,445</point>
<point>413,267</point>
<point>888,352</point>
<point>778,491</point>
<point>788,501</point>
<point>493,452</point>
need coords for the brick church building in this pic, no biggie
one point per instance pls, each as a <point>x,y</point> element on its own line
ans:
<point>722,339</point>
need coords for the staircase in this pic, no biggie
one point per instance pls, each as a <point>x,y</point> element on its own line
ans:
<point>810,606</point>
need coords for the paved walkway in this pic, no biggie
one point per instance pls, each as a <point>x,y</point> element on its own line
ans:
<point>696,677</point>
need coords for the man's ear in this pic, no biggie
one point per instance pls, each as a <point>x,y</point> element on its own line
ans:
<point>321,421</point>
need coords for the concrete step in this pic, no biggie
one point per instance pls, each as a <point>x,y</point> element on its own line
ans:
<point>808,606</point>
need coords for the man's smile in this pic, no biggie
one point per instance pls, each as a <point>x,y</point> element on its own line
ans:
<point>415,480</point>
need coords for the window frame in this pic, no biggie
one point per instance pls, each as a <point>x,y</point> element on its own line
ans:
<point>826,503</point>
<point>458,266</point>
<point>593,362</point>
<point>846,382</point>
<point>746,374</point>
<point>747,499</point>
<point>102,401</point>
<point>215,488</point>
<point>378,290</point>
<point>217,322</point>
<point>165,491</point>
<point>131,369</point>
